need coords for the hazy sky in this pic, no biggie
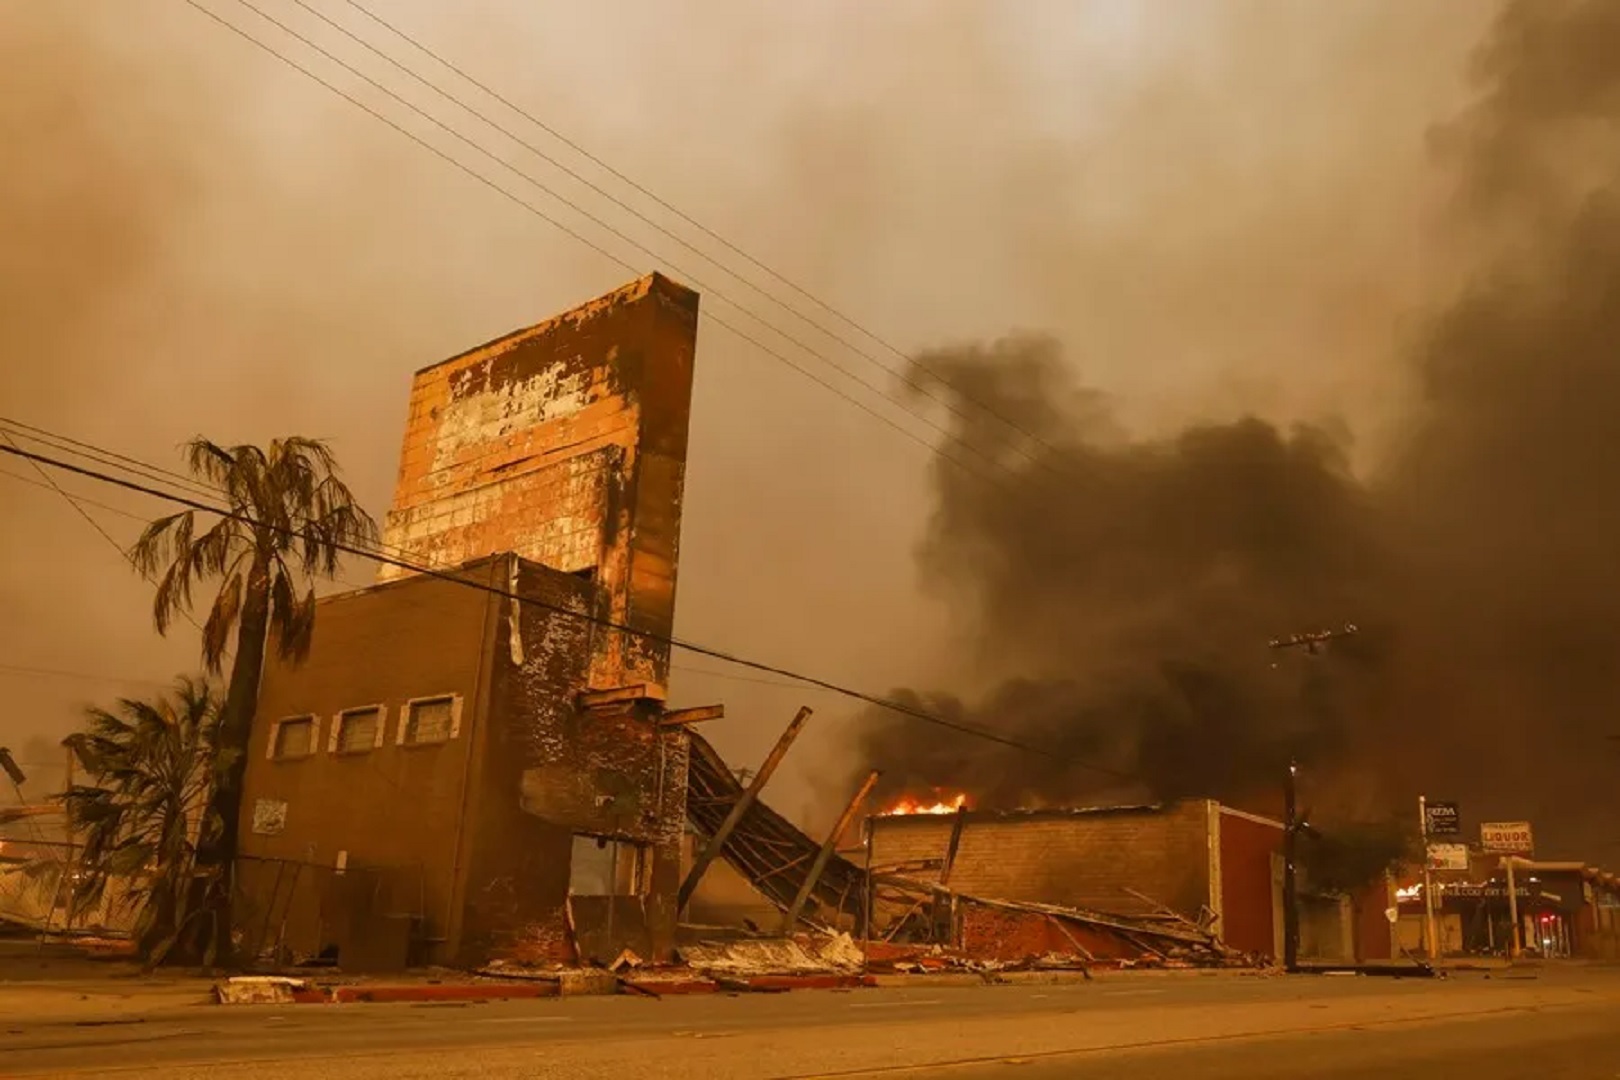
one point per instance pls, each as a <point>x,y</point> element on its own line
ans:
<point>1218,207</point>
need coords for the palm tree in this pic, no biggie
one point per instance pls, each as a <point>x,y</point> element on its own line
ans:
<point>289,519</point>
<point>150,766</point>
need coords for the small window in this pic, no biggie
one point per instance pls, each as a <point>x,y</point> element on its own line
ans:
<point>429,720</point>
<point>293,737</point>
<point>605,866</point>
<point>358,730</point>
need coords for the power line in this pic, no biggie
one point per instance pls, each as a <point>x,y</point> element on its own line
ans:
<point>11,446</point>
<point>107,457</point>
<point>682,215</point>
<point>91,451</point>
<point>610,624</point>
<point>921,388</point>
<point>487,181</point>
<point>63,673</point>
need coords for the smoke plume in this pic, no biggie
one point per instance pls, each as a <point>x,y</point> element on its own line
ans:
<point>1131,584</point>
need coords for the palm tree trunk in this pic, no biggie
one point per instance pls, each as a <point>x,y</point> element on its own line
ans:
<point>217,855</point>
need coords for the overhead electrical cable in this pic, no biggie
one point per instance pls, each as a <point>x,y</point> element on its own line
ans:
<point>888,704</point>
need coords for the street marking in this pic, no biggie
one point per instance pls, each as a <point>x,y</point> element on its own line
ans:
<point>523,1019</point>
<point>893,1004</point>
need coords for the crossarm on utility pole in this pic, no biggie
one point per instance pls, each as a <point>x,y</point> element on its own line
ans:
<point>718,841</point>
<point>828,846</point>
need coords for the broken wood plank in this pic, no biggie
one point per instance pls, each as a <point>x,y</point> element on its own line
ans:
<point>1070,938</point>
<point>718,841</point>
<point>951,847</point>
<point>620,695</point>
<point>827,846</point>
<point>680,717</point>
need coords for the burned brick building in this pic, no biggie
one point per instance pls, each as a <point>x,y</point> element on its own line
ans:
<point>1195,860</point>
<point>477,762</point>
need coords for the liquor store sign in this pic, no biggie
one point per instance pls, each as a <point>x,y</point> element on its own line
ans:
<point>1507,837</point>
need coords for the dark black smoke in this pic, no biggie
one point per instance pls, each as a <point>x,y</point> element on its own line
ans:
<point>1133,584</point>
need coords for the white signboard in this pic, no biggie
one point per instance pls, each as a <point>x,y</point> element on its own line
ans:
<point>1448,856</point>
<point>1506,837</point>
<point>269,816</point>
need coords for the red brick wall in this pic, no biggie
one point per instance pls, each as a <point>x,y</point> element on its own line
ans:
<point>1247,917</point>
<point>564,443</point>
<point>1373,931</point>
<point>995,934</point>
<point>1078,859</point>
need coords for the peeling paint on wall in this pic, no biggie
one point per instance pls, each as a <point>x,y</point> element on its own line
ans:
<point>564,443</point>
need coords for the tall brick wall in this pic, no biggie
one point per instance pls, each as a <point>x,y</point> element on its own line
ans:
<point>1078,858</point>
<point>566,444</point>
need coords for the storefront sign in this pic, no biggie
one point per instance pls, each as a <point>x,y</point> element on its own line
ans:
<point>1494,891</point>
<point>1441,819</point>
<point>1506,837</point>
<point>1448,856</point>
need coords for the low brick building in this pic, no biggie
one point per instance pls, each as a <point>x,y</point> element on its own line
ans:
<point>482,767</point>
<point>1207,862</point>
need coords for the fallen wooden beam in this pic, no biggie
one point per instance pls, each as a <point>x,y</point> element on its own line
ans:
<point>718,841</point>
<point>791,918</point>
<point>681,717</point>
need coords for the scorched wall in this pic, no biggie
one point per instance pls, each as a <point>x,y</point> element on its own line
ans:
<point>566,444</point>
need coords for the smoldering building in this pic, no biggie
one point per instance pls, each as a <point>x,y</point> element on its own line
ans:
<point>455,774</point>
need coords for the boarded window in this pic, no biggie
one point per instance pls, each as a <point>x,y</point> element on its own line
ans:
<point>359,730</point>
<point>294,738</point>
<point>429,721</point>
<point>603,866</point>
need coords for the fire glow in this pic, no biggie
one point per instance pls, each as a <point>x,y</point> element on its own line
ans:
<point>911,805</point>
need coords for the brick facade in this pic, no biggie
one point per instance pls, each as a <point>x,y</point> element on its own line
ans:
<point>548,464</point>
<point>1077,858</point>
<point>564,443</point>
<point>470,839</point>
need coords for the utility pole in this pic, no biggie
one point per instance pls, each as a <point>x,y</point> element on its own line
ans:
<point>1312,641</point>
<point>1290,872</point>
<point>1516,943</point>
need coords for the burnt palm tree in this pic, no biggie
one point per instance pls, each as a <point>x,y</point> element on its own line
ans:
<point>150,766</point>
<point>289,519</point>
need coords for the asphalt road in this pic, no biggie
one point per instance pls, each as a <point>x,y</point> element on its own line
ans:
<point>1559,1023</point>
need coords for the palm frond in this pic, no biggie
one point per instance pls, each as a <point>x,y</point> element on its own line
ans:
<point>216,632</point>
<point>151,766</point>
<point>292,618</point>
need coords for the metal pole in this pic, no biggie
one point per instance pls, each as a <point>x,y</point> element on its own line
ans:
<point>739,808</point>
<point>1290,876</point>
<point>1515,946</point>
<point>1431,943</point>
<point>824,856</point>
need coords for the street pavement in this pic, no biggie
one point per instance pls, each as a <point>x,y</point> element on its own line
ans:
<point>1553,1021</point>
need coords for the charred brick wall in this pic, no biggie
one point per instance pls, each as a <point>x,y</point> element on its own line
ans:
<point>565,443</point>
<point>551,770</point>
<point>1077,858</point>
<point>394,810</point>
<point>1249,844</point>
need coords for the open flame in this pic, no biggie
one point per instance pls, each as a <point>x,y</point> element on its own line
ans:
<point>913,805</point>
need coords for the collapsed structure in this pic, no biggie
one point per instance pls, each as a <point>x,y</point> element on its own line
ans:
<point>475,760</point>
